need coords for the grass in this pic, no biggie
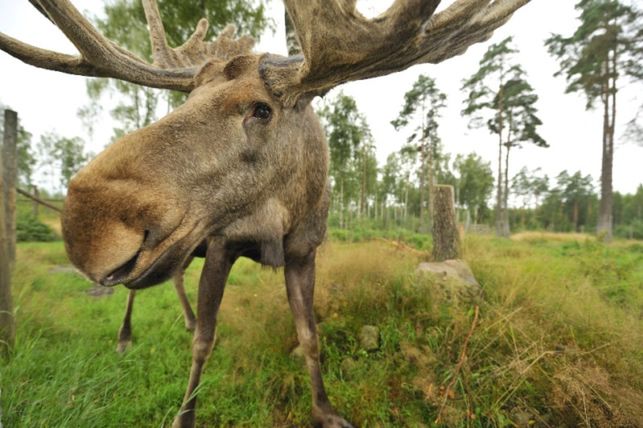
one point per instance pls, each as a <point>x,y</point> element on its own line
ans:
<point>559,342</point>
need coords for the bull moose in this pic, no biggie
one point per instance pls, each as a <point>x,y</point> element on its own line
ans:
<point>243,163</point>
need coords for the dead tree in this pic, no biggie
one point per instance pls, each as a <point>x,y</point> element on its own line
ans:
<point>243,164</point>
<point>446,238</point>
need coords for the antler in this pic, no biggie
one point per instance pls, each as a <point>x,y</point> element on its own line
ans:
<point>340,45</point>
<point>173,68</point>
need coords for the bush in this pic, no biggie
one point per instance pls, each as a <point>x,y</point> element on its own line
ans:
<point>633,230</point>
<point>29,228</point>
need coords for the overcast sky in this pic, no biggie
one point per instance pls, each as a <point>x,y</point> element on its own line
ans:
<point>48,101</point>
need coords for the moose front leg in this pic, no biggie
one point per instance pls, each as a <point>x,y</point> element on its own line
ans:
<point>188,315</point>
<point>300,285</point>
<point>218,262</point>
<point>125,332</point>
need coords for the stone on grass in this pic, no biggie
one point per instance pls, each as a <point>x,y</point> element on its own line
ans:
<point>369,338</point>
<point>453,279</point>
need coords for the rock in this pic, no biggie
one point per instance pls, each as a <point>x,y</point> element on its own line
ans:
<point>453,279</point>
<point>348,367</point>
<point>419,357</point>
<point>369,338</point>
<point>522,418</point>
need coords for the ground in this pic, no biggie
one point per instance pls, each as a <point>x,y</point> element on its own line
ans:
<point>557,342</point>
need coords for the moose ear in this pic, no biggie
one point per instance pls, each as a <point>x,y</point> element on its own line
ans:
<point>210,71</point>
<point>303,101</point>
<point>238,65</point>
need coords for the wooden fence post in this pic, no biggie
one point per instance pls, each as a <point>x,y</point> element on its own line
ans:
<point>7,229</point>
<point>10,172</point>
<point>446,239</point>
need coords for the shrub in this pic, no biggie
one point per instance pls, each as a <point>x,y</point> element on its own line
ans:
<point>29,228</point>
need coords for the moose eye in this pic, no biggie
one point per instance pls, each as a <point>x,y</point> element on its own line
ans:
<point>262,111</point>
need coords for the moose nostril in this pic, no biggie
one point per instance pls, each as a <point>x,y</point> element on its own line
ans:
<point>146,235</point>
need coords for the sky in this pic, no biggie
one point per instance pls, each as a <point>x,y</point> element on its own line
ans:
<point>48,101</point>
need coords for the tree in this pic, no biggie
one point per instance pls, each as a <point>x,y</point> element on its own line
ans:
<point>351,153</point>
<point>137,105</point>
<point>576,192</point>
<point>421,110</point>
<point>604,51</point>
<point>474,183</point>
<point>64,156</point>
<point>499,93</point>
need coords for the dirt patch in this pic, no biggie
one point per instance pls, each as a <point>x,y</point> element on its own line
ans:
<point>100,291</point>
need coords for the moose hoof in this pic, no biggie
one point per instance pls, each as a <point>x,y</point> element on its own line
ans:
<point>331,421</point>
<point>123,345</point>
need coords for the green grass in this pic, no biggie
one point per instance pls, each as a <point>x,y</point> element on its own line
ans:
<point>559,342</point>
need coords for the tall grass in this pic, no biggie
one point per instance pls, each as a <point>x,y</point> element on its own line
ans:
<point>558,343</point>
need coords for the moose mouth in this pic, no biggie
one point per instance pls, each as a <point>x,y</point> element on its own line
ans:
<point>159,270</point>
<point>121,273</point>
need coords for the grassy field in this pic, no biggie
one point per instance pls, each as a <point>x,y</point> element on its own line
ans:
<point>559,342</point>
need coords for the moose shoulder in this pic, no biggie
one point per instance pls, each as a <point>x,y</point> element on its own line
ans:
<point>242,165</point>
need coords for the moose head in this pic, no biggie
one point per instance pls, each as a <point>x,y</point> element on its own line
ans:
<point>243,163</point>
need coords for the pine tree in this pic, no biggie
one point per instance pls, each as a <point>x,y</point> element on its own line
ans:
<point>421,110</point>
<point>603,52</point>
<point>500,93</point>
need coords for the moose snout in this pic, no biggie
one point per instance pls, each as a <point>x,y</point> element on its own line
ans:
<point>109,235</point>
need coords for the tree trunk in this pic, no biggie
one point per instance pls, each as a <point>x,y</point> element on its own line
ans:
<point>505,202</point>
<point>605,219</point>
<point>35,207</point>
<point>431,178</point>
<point>341,204</point>
<point>362,196</point>
<point>9,175</point>
<point>422,172</point>
<point>499,198</point>
<point>446,240</point>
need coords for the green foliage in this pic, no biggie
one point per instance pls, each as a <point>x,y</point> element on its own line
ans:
<point>61,156</point>
<point>29,228</point>
<point>353,166</point>
<point>606,44</point>
<point>474,183</point>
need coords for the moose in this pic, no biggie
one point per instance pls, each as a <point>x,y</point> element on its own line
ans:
<point>243,163</point>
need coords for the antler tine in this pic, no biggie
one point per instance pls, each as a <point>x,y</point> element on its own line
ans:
<point>99,57</point>
<point>196,50</point>
<point>157,33</point>
<point>340,45</point>
<point>43,58</point>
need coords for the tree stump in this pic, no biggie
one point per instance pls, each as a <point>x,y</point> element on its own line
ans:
<point>446,239</point>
